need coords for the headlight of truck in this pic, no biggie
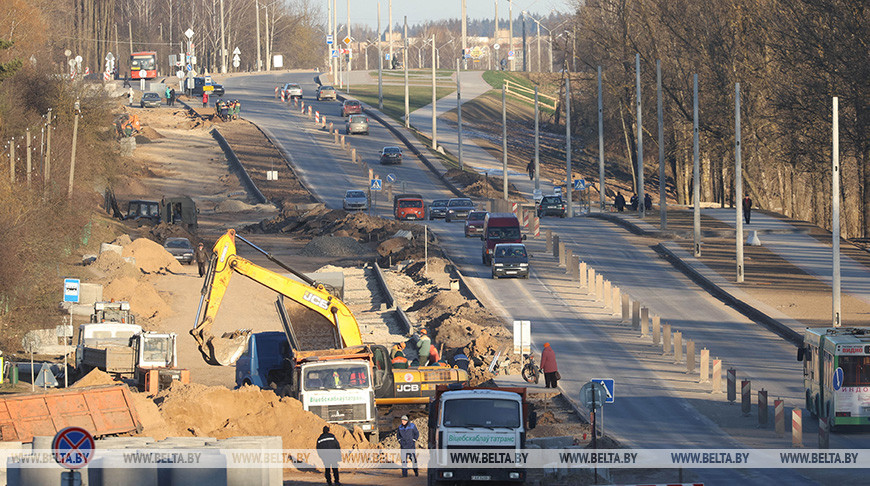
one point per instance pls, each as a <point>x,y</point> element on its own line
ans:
<point>447,474</point>
<point>514,475</point>
<point>99,306</point>
<point>367,427</point>
<point>499,264</point>
<point>125,306</point>
<point>524,264</point>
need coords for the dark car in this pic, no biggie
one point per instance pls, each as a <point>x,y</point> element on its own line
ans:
<point>438,208</point>
<point>150,100</point>
<point>458,208</point>
<point>201,84</point>
<point>180,248</point>
<point>351,107</point>
<point>474,223</point>
<point>552,206</point>
<point>510,260</point>
<point>391,155</point>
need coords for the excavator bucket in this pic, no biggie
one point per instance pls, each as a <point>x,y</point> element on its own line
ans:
<point>228,348</point>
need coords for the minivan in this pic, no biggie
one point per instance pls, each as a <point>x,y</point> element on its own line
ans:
<point>499,228</point>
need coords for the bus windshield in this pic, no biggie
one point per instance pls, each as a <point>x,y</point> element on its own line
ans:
<point>143,62</point>
<point>856,370</point>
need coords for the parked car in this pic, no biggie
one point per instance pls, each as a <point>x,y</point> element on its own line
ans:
<point>552,205</point>
<point>474,223</point>
<point>410,208</point>
<point>438,208</point>
<point>292,90</point>
<point>391,155</point>
<point>357,124</point>
<point>355,199</point>
<point>150,100</point>
<point>351,107</point>
<point>325,93</point>
<point>458,208</point>
<point>510,260</point>
<point>180,248</point>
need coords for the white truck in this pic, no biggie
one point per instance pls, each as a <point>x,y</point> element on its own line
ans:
<point>479,419</point>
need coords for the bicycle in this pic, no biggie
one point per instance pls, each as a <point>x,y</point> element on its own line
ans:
<point>531,372</point>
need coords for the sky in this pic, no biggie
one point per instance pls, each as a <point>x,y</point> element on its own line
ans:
<point>420,11</point>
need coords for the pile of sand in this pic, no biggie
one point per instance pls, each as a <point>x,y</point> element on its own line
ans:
<point>94,378</point>
<point>151,257</point>
<point>114,266</point>
<point>145,301</point>
<point>235,206</point>
<point>203,411</point>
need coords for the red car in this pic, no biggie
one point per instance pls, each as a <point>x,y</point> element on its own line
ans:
<point>410,208</point>
<point>351,107</point>
<point>474,223</point>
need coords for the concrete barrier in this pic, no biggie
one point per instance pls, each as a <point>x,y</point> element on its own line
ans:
<point>666,340</point>
<point>599,288</point>
<point>584,276</point>
<point>626,308</point>
<point>704,373</point>
<point>762,408</point>
<point>717,376</point>
<point>678,347</point>
<point>644,322</point>
<point>549,236</point>
<point>731,387</point>
<point>656,330</point>
<point>608,295</point>
<point>590,282</point>
<point>779,417</point>
<point>690,356</point>
<point>575,267</point>
<point>555,248</point>
<point>616,300</point>
<point>569,258</point>
<point>746,397</point>
<point>563,254</point>
<point>635,315</point>
<point>797,427</point>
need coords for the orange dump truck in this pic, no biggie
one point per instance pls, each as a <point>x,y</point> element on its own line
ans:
<point>101,410</point>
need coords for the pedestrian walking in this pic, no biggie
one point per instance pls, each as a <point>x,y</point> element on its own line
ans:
<point>531,169</point>
<point>329,451</point>
<point>423,344</point>
<point>647,202</point>
<point>201,257</point>
<point>205,99</point>
<point>130,96</point>
<point>619,202</point>
<point>548,365</point>
<point>408,435</point>
<point>172,97</point>
<point>168,93</point>
<point>632,203</point>
<point>747,209</point>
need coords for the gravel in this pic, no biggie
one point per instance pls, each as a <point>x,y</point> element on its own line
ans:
<point>334,246</point>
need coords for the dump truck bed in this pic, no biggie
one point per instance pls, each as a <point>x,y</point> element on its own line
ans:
<point>111,359</point>
<point>101,410</point>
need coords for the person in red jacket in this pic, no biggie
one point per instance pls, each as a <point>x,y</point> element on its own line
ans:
<point>434,357</point>
<point>548,365</point>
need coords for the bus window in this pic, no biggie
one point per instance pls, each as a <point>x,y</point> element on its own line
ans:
<point>856,370</point>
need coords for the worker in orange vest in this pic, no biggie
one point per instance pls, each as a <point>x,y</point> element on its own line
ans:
<point>400,362</point>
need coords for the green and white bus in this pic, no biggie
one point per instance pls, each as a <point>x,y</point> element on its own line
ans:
<point>837,374</point>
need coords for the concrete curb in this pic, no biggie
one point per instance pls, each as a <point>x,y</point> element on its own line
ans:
<point>644,228</point>
<point>406,323</point>
<point>717,287</point>
<point>237,164</point>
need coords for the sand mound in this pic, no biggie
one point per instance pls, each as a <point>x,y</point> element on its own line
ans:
<point>94,378</point>
<point>144,300</point>
<point>122,240</point>
<point>335,246</point>
<point>114,266</point>
<point>151,133</point>
<point>199,410</point>
<point>151,257</point>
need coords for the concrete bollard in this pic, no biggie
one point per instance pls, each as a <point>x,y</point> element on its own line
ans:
<point>797,426</point>
<point>746,397</point>
<point>678,347</point>
<point>608,295</point>
<point>330,127</point>
<point>341,138</point>
<point>626,309</point>
<point>555,247</point>
<point>575,267</point>
<point>635,315</point>
<point>824,434</point>
<point>666,340</point>
<point>562,254</point>
<point>762,408</point>
<point>590,279</point>
<point>656,330</point>
<point>644,322</point>
<point>778,417</point>
<point>353,155</point>
<point>335,136</point>
<point>731,387</point>
<point>584,274</point>
<point>617,301</point>
<point>536,230</point>
<point>549,236</point>
<point>569,255</point>
<point>690,356</point>
<point>599,288</point>
<point>717,376</point>
<point>302,106</point>
<point>704,373</point>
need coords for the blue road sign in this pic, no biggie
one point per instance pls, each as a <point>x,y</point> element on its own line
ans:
<point>391,177</point>
<point>71,288</point>
<point>387,56</point>
<point>609,386</point>
<point>579,184</point>
<point>334,52</point>
<point>376,184</point>
<point>838,378</point>
<point>73,447</point>
<point>329,40</point>
<point>189,67</point>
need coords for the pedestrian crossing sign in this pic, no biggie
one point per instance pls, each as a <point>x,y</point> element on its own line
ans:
<point>376,184</point>
<point>608,385</point>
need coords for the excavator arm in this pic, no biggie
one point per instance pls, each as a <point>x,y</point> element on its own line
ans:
<point>225,350</point>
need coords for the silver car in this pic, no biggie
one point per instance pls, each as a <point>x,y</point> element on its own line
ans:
<point>292,90</point>
<point>180,248</point>
<point>355,200</point>
<point>325,93</point>
<point>357,124</point>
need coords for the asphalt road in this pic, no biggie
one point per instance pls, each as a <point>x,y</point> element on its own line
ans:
<point>652,410</point>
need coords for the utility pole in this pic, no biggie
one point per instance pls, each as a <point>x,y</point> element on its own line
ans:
<point>459,113</point>
<point>405,63</point>
<point>511,35</point>
<point>259,48</point>
<point>601,193</point>
<point>390,19</point>
<point>696,170</point>
<point>525,46</point>
<point>550,49</point>
<point>538,51</point>
<point>663,204</point>
<point>641,207</point>
<point>72,162</point>
<point>336,61</point>
<point>464,34</point>
<point>738,184</point>
<point>495,34</point>
<point>434,101</point>
<point>380,63</point>
<point>349,50</point>
<point>504,154</point>
<point>268,51</point>
<point>538,146</point>
<point>569,179</point>
<point>835,215</point>
<point>223,41</point>
<point>130,32</point>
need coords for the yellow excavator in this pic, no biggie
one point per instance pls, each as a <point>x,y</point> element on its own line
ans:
<point>321,329</point>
